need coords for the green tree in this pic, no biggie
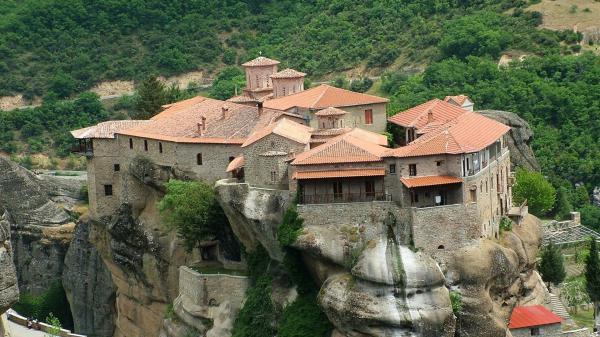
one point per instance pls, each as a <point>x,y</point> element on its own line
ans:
<point>552,265</point>
<point>151,96</point>
<point>228,81</point>
<point>592,277</point>
<point>563,204</point>
<point>361,84</point>
<point>55,325</point>
<point>533,187</point>
<point>590,216</point>
<point>581,197</point>
<point>574,291</point>
<point>190,207</point>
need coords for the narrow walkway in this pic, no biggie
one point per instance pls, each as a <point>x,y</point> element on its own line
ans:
<point>559,308</point>
<point>20,331</point>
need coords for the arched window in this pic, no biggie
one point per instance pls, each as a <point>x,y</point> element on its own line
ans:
<point>441,247</point>
<point>199,159</point>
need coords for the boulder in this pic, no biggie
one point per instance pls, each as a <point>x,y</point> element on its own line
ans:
<point>519,140</point>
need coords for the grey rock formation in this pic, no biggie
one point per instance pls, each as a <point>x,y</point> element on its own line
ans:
<point>596,196</point>
<point>254,214</point>
<point>493,277</point>
<point>89,287</point>
<point>9,290</point>
<point>520,138</point>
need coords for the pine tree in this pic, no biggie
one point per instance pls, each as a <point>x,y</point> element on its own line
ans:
<point>563,204</point>
<point>552,266</point>
<point>151,96</point>
<point>592,277</point>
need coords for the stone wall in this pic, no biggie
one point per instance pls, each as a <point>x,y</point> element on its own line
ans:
<point>445,227</point>
<point>287,86</point>
<point>259,77</point>
<point>355,117</point>
<point>212,289</point>
<point>552,330</point>
<point>261,161</point>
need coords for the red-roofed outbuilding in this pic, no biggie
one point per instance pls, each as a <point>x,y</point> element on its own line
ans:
<point>534,320</point>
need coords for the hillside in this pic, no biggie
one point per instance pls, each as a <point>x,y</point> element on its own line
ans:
<point>66,48</point>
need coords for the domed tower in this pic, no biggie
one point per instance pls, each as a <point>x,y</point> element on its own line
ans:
<point>258,76</point>
<point>287,82</point>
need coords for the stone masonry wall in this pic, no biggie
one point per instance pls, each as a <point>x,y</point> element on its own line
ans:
<point>212,289</point>
<point>445,227</point>
<point>258,167</point>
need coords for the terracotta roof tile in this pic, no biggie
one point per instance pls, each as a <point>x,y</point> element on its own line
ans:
<point>331,111</point>
<point>106,129</point>
<point>242,99</point>
<point>532,316</point>
<point>430,181</point>
<point>458,99</point>
<point>288,73</point>
<point>324,135</point>
<point>419,116</point>
<point>179,122</point>
<point>321,97</point>
<point>469,132</point>
<point>260,61</point>
<point>337,173</point>
<point>342,149</point>
<point>235,164</point>
<point>285,128</point>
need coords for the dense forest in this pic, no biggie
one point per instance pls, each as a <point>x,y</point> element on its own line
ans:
<point>66,47</point>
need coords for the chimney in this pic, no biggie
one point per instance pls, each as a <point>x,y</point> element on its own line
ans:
<point>199,129</point>
<point>225,112</point>
<point>203,123</point>
<point>429,116</point>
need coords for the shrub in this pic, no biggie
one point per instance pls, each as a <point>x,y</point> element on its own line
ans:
<point>290,227</point>
<point>506,224</point>
<point>552,265</point>
<point>304,318</point>
<point>456,301</point>
<point>534,187</point>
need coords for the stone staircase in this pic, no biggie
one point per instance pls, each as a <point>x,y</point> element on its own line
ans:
<point>559,308</point>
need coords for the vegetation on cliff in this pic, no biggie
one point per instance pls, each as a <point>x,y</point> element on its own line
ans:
<point>191,208</point>
<point>533,187</point>
<point>52,302</point>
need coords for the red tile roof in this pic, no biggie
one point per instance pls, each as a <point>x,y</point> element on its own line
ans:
<point>419,116</point>
<point>260,61</point>
<point>331,111</point>
<point>106,129</point>
<point>235,164</point>
<point>242,99</point>
<point>342,149</point>
<point>179,122</point>
<point>284,128</point>
<point>321,97</point>
<point>531,316</point>
<point>469,132</point>
<point>288,73</point>
<point>458,99</point>
<point>339,173</point>
<point>430,181</point>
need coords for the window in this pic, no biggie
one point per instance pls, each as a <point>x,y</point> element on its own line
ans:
<point>414,197</point>
<point>535,331</point>
<point>412,170</point>
<point>283,91</point>
<point>392,168</point>
<point>231,159</point>
<point>369,116</point>
<point>159,147</point>
<point>473,195</point>
<point>145,145</point>
<point>370,188</point>
<point>199,159</point>
<point>439,162</point>
<point>130,143</point>
<point>117,167</point>
<point>108,190</point>
<point>441,247</point>
<point>337,189</point>
<point>273,176</point>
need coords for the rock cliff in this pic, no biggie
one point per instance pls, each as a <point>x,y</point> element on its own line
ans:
<point>374,284</point>
<point>520,138</point>
<point>39,209</point>
<point>9,290</point>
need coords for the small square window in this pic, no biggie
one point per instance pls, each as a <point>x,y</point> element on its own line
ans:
<point>231,159</point>
<point>412,170</point>
<point>439,162</point>
<point>117,167</point>
<point>108,190</point>
<point>392,168</point>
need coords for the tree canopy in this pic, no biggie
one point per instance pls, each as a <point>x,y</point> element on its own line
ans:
<point>533,187</point>
<point>552,265</point>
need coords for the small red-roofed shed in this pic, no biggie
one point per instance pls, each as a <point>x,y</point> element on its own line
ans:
<point>535,320</point>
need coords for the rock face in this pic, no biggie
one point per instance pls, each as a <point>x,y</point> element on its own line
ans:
<point>520,138</point>
<point>493,277</point>
<point>39,213</point>
<point>9,290</point>
<point>89,287</point>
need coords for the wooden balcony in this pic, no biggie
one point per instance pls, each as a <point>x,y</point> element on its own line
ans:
<point>344,198</point>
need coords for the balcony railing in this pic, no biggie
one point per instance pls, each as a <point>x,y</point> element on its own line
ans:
<point>344,197</point>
